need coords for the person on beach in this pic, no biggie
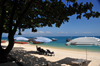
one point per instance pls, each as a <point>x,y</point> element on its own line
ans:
<point>41,50</point>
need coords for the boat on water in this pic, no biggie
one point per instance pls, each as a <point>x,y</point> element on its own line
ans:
<point>36,42</point>
<point>18,42</point>
<point>53,39</point>
<point>3,41</point>
<point>68,39</point>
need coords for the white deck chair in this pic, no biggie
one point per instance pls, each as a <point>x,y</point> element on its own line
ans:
<point>79,61</point>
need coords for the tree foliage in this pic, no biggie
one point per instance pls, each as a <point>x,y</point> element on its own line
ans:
<point>44,13</point>
<point>24,14</point>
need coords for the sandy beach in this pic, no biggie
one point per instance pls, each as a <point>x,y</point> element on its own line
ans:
<point>62,57</point>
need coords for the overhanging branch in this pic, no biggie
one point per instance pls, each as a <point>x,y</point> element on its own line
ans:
<point>12,16</point>
<point>21,16</point>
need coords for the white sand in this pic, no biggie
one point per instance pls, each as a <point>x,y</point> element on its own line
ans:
<point>61,54</point>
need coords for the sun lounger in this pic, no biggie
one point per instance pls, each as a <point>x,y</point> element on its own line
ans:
<point>48,51</point>
<point>79,61</point>
<point>42,51</point>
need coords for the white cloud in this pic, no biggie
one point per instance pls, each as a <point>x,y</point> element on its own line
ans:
<point>32,32</point>
<point>61,32</point>
<point>29,32</point>
<point>48,32</point>
<point>66,32</point>
<point>25,32</point>
<point>41,32</point>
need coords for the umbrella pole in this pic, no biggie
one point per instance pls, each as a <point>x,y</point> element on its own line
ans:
<point>86,55</point>
<point>86,52</point>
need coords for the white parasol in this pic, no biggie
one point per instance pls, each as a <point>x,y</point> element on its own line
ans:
<point>42,39</point>
<point>21,38</point>
<point>84,41</point>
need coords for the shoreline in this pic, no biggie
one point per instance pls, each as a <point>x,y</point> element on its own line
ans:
<point>61,44</point>
<point>61,54</point>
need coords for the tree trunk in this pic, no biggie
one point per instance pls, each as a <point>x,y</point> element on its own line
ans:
<point>3,55</point>
<point>4,52</point>
<point>2,21</point>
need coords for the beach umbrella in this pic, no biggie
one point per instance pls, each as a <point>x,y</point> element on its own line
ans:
<point>21,38</point>
<point>42,39</point>
<point>84,41</point>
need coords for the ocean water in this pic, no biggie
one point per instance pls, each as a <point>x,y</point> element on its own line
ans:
<point>60,43</point>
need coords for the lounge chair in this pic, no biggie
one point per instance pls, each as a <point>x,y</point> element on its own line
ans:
<point>79,61</point>
<point>49,52</point>
<point>42,51</point>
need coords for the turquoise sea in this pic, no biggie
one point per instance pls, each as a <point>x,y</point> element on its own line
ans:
<point>60,43</point>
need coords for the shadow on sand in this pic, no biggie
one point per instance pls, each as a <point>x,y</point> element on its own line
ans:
<point>24,58</point>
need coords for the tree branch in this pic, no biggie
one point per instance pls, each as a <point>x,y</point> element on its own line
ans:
<point>10,34</point>
<point>48,6</point>
<point>12,16</point>
<point>21,16</point>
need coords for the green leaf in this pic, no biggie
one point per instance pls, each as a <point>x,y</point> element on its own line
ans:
<point>6,11</point>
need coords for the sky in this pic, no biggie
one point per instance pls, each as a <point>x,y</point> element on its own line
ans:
<point>75,27</point>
